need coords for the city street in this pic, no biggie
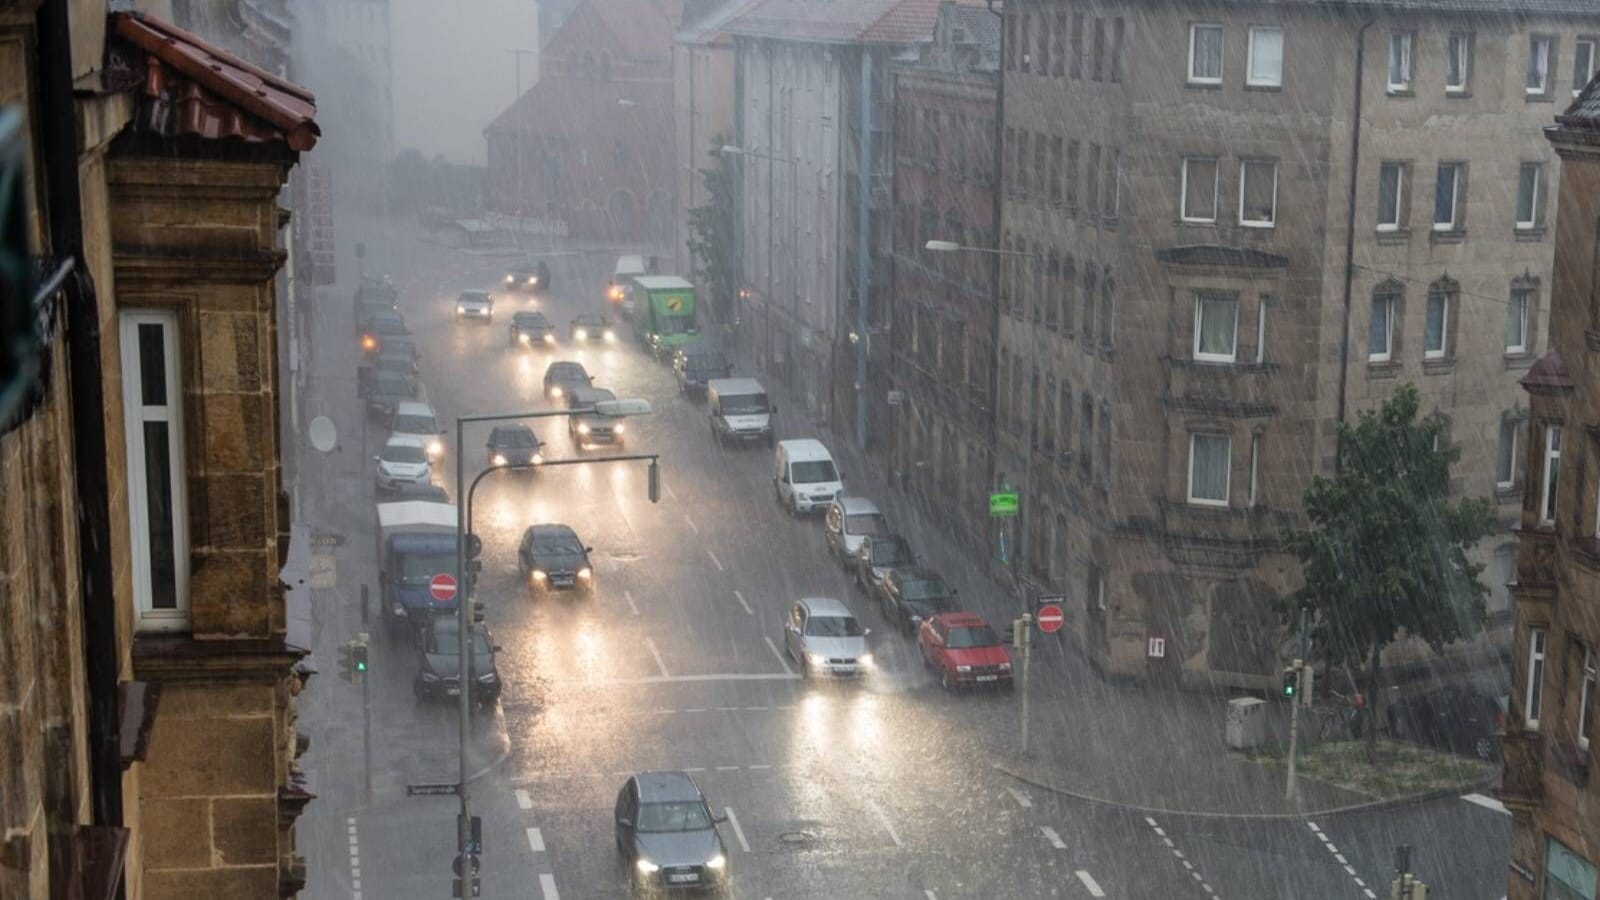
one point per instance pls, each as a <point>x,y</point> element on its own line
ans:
<point>883,788</point>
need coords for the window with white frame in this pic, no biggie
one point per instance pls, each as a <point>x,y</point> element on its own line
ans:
<point>1586,697</point>
<point>1530,178</point>
<point>1447,197</point>
<point>1458,62</point>
<point>1380,333</point>
<point>1205,54</point>
<point>1436,324</point>
<point>1535,692</point>
<point>1519,316</point>
<point>1538,76</point>
<point>1261,328</point>
<point>1216,327</point>
<point>1552,468</point>
<point>153,426</point>
<point>1208,468</point>
<point>1266,57</point>
<point>1258,193</point>
<point>1391,195</point>
<point>1199,201</point>
<point>1584,64</point>
<point>1400,60</point>
<point>1505,463</point>
<point>1255,469</point>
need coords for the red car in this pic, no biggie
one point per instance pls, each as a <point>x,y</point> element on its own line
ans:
<point>964,650</point>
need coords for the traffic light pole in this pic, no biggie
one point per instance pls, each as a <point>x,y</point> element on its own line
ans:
<point>1294,704</point>
<point>1022,638</point>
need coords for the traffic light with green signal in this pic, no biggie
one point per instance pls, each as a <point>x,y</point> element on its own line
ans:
<point>358,654</point>
<point>1291,681</point>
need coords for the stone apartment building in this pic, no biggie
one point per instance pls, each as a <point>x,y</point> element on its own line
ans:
<point>1549,783</point>
<point>942,306</point>
<point>1233,225</point>
<point>702,108</point>
<point>813,113</point>
<point>149,673</point>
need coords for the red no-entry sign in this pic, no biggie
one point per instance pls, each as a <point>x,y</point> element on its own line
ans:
<point>1050,618</point>
<point>443,587</point>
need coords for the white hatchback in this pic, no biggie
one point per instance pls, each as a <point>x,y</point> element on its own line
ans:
<point>403,461</point>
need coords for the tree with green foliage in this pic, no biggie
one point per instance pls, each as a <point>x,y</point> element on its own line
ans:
<point>714,241</point>
<point>1387,550</point>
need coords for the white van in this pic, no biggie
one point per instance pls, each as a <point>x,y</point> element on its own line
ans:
<point>804,478</point>
<point>739,410</point>
<point>622,275</point>
<point>413,418</point>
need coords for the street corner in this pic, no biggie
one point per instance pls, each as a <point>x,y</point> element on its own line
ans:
<point>1390,773</point>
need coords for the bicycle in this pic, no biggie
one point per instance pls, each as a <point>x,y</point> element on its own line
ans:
<point>1340,715</point>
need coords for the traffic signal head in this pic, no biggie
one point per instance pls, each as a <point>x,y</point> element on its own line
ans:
<point>1291,682</point>
<point>347,666</point>
<point>655,482</point>
<point>358,654</point>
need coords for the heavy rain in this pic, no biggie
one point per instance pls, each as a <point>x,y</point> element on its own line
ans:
<point>778,449</point>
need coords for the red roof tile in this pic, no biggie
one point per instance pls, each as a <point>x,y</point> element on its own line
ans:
<point>643,28</point>
<point>1549,372</point>
<point>197,89</point>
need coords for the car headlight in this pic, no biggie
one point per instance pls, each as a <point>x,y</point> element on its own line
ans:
<point>1005,667</point>
<point>555,391</point>
<point>533,279</point>
<point>435,448</point>
<point>581,334</point>
<point>537,458</point>
<point>611,335</point>
<point>583,428</point>
<point>429,678</point>
<point>460,308</point>
<point>510,278</point>
<point>539,575</point>
<point>549,339</point>
<point>619,428</point>
<point>498,459</point>
<point>816,659</point>
<point>963,668</point>
<point>718,862</point>
<point>586,573</point>
<point>647,867</point>
<point>865,659</point>
<point>523,337</point>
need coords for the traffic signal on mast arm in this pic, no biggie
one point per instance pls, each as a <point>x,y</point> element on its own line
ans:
<point>358,655</point>
<point>1291,681</point>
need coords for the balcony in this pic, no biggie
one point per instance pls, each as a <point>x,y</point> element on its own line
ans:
<point>1522,778</point>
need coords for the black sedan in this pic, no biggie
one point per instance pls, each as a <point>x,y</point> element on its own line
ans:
<point>551,556</point>
<point>513,445</point>
<point>564,375</point>
<point>910,594</point>
<point>530,275</point>
<point>1457,719</point>
<point>380,327</point>
<point>877,556</point>
<point>439,663</point>
<point>531,329</point>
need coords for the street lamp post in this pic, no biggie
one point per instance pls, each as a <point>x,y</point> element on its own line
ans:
<point>618,408</point>
<point>794,237</point>
<point>1025,505</point>
<point>517,54</point>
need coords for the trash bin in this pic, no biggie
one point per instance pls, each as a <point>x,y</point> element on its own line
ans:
<point>1247,722</point>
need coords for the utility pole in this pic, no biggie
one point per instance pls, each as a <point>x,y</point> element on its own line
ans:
<point>366,701</point>
<point>516,130</point>
<point>1022,639</point>
<point>863,249</point>
<point>1296,699</point>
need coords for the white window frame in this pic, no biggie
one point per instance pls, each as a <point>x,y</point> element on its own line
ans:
<point>1387,353</point>
<point>1444,324</point>
<point>1399,168</point>
<point>1227,478</point>
<point>1547,475</point>
<point>1407,42</point>
<point>1594,61</point>
<point>1586,690</point>
<point>1459,42</point>
<point>1183,190</point>
<point>1222,49</point>
<point>1507,428</point>
<point>1455,169</point>
<point>1251,78</point>
<point>1255,469</point>
<point>1538,44</point>
<point>135,415</point>
<point>1261,329</point>
<point>1526,319</point>
<point>1244,167</point>
<point>1533,205</point>
<point>1200,299</point>
<point>1533,696</point>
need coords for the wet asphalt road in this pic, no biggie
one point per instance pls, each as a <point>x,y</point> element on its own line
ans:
<point>876,789</point>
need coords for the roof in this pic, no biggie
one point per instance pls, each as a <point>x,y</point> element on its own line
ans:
<point>588,395</point>
<point>643,28</point>
<point>734,387</point>
<point>800,449</point>
<point>416,512</point>
<point>662,283</point>
<point>1584,113</point>
<point>857,506</point>
<point>711,27</point>
<point>855,22</point>
<point>412,408</point>
<point>191,88</point>
<point>552,530</point>
<point>1549,372</point>
<point>826,605</point>
<point>658,787</point>
<point>404,440</point>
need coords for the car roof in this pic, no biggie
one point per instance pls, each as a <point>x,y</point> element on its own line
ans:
<point>857,506</point>
<point>736,387</point>
<point>589,317</point>
<point>564,365</point>
<point>528,315</point>
<point>475,295</point>
<point>804,449</point>
<point>663,283</point>
<point>404,440</point>
<point>590,395</point>
<point>960,620</point>
<point>552,530</point>
<point>667,787</point>
<point>510,429</point>
<point>826,606</point>
<point>413,408</point>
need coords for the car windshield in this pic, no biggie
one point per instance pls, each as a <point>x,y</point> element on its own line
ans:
<point>707,362</point>
<point>419,568</point>
<point>866,523</point>
<point>744,404</point>
<point>833,626</point>
<point>531,320</point>
<point>676,324</point>
<point>515,438</point>
<point>446,642</point>
<point>967,637</point>
<point>684,816</point>
<point>890,553</point>
<point>387,324</point>
<point>565,545</point>
<point>817,471</point>
<point>923,589</point>
<point>411,424</point>
<point>403,453</point>
<point>474,297</point>
<point>391,382</point>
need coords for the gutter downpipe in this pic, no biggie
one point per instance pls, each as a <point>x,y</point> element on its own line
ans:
<point>863,247</point>
<point>999,259</point>
<point>59,143</point>
<point>1350,224</point>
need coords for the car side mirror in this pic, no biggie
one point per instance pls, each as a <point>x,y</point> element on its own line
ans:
<point>774,410</point>
<point>375,459</point>
<point>624,821</point>
<point>866,632</point>
<point>588,549</point>
<point>718,820</point>
<point>497,648</point>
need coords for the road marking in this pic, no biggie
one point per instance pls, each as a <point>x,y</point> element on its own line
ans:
<point>738,832</point>
<point>727,768</point>
<point>678,679</point>
<point>651,643</point>
<point>547,886</point>
<point>355,858</point>
<point>535,840</point>
<point>695,709</point>
<point>1339,857</point>
<point>523,800</point>
<point>783,660</point>
<point>1020,797</point>
<point>629,594</point>
<point>740,597</point>
<point>1177,854</point>
<point>714,561</point>
<point>692,526</point>
<point>1089,884</point>
<point>760,767</point>
<point>887,825</point>
<point>1486,802</point>
<point>670,492</point>
<point>727,709</point>
<point>1051,836</point>
<point>930,895</point>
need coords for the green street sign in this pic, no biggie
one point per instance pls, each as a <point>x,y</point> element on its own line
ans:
<point>1002,506</point>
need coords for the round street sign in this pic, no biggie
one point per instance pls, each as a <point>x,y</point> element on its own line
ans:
<point>443,587</point>
<point>1050,618</point>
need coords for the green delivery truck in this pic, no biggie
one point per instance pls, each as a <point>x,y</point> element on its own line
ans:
<point>663,313</point>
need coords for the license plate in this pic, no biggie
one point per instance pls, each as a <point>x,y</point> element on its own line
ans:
<point>988,677</point>
<point>684,878</point>
<point>452,692</point>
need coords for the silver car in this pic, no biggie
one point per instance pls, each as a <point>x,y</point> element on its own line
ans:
<point>826,640</point>
<point>851,520</point>
<point>475,305</point>
<point>668,835</point>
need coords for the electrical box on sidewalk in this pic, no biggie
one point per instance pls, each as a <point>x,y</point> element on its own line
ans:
<point>1247,722</point>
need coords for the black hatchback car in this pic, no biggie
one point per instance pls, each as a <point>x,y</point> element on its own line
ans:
<point>667,834</point>
<point>513,445</point>
<point>530,275</point>
<point>910,594</point>
<point>439,665</point>
<point>1456,719</point>
<point>529,328</point>
<point>878,555</point>
<point>551,556</point>
<point>695,366</point>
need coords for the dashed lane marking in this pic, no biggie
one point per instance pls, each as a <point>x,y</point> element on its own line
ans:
<point>1177,854</point>
<point>651,643</point>
<point>355,858</point>
<point>523,800</point>
<point>1089,884</point>
<point>714,561</point>
<point>692,526</point>
<point>738,832</point>
<point>930,895</point>
<point>1051,836</point>
<point>535,840</point>
<point>1020,797</point>
<point>740,597</point>
<point>888,826</point>
<point>629,594</point>
<point>547,886</point>
<point>783,660</point>
<point>1339,858</point>
<point>1486,802</point>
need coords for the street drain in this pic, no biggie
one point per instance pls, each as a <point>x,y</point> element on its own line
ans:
<point>797,837</point>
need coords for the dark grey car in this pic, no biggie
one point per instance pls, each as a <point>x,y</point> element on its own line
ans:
<point>551,556</point>
<point>667,834</point>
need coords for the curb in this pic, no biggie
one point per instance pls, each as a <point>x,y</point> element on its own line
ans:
<point>1365,806</point>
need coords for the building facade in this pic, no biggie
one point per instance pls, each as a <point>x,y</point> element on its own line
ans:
<point>1549,785</point>
<point>702,108</point>
<point>1262,218</point>
<point>943,313</point>
<point>151,739</point>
